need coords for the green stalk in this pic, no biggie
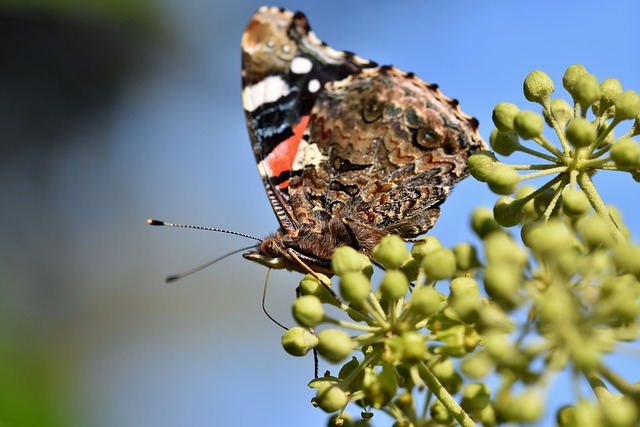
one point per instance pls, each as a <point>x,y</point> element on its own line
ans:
<point>443,396</point>
<point>598,205</point>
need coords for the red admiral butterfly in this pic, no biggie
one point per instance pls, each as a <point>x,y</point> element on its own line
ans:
<point>348,151</point>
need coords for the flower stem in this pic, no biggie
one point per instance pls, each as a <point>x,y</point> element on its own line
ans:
<point>544,143</point>
<point>598,205</point>
<point>443,396</point>
<point>599,388</point>
<point>559,169</point>
<point>536,153</point>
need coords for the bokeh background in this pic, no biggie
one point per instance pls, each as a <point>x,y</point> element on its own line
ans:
<point>113,111</point>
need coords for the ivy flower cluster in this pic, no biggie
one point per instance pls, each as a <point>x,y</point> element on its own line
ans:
<point>585,145</point>
<point>477,334</point>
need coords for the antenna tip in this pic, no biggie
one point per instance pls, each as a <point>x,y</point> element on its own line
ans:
<point>155,222</point>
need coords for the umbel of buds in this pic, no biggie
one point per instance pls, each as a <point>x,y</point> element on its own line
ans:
<point>585,144</point>
<point>485,329</point>
<point>402,335</point>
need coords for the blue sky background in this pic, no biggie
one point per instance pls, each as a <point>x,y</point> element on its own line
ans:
<point>85,274</point>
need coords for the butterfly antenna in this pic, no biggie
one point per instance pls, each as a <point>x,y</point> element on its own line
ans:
<point>197,227</point>
<point>176,277</point>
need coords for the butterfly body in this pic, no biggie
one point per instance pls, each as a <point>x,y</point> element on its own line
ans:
<point>348,151</point>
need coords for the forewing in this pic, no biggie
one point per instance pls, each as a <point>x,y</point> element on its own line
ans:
<point>285,67</point>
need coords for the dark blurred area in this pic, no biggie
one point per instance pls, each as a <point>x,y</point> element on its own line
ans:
<point>61,67</point>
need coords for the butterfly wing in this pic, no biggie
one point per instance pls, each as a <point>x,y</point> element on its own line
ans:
<point>383,150</point>
<point>285,67</point>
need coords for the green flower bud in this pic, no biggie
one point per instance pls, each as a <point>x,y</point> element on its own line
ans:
<point>475,397</point>
<point>347,259</point>
<point>458,340</point>
<point>574,202</point>
<point>464,296</point>
<point>619,298</point>
<point>312,286</point>
<point>526,408</point>
<point>481,163</point>
<point>487,416</point>
<point>504,143</point>
<point>626,153</point>
<point>334,345</point>
<point>443,369</point>
<point>439,265</point>
<point>549,239</point>
<point>572,75</point>
<point>308,311</point>
<point>557,307</point>
<point>538,87</point>
<point>596,232</point>
<point>380,388</point>
<point>476,365</point>
<point>298,341</point>
<point>463,287</point>
<point>621,413</point>
<point>585,414</point>
<point>394,285</point>
<point>500,348</point>
<point>503,179</point>
<point>330,398</point>
<point>391,252</point>
<point>466,256</point>
<point>581,132</point>
<point>609,90</point>
<point>354,286</point>
<point>527,209</point>
<point>483,223</point>
<point>425,301</point>
<point>586,90</point>
<point>507,212</point>
<point>564,416</point>
<point>528,124</point>
<point>412,347</point>
<point>411,269</point>
<point>425,246</point>
<point>404,401</point>
<point>502,248</point>
<point>502,281</point>
<point>627,105</point>
<point>493,318</point>
<point>583,354</point>
<point>503,116</point>
<point>626,257</point>
<point>568,262</point>
<point>561,111</point>
<point>440,414</point>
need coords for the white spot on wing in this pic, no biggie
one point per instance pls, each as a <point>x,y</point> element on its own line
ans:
<point>308,154</point>
<point>301,65</point>
<point>313,86</point>
<point>267,90</point>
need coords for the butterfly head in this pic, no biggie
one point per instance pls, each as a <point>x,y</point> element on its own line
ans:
<point>279,252</point>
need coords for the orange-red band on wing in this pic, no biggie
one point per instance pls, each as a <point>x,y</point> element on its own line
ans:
<point>282,156</point>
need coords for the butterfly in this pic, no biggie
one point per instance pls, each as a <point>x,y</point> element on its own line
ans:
<point>348,151</point>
